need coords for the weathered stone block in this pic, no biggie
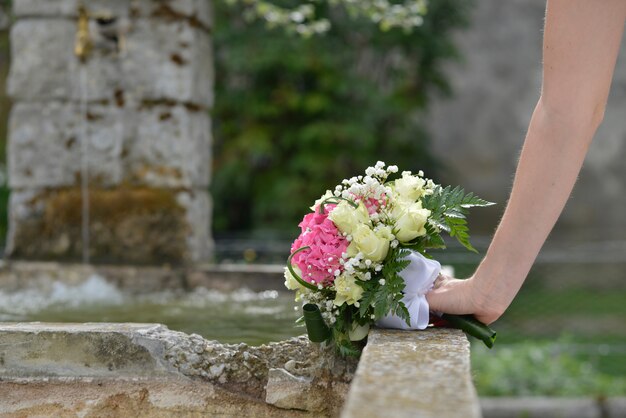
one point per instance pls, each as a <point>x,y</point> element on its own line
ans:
<point>127,225</point>
<point>93,370</point>
<point>171,148</point>
<point>194,10</point>
<point>45,68</point>
<point>45,145</point>
<point>159,61</point>
<point>43,61</point>
<point>157,146</point>
<point>168,61</point>
<point>287,391</point>
<point>414,374</point>
<point>27,8</point>
<point>80,350</point>
<point>199,11</point>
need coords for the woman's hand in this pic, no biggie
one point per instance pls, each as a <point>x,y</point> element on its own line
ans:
<point>459,297</point>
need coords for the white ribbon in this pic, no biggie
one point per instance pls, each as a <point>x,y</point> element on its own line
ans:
<point>419,277</point>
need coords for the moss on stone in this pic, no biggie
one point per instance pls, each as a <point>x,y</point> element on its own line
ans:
<point>137,225</point>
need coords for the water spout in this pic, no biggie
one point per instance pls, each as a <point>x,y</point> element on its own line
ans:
<point>83,44</point>
<point>82,48</point>
<point>84,166</point>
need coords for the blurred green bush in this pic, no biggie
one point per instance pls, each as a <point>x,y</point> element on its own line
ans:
<point>533,368</point>
<point>293,116</point>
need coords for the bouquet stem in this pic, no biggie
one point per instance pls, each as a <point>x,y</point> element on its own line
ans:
<point>315,326</point>
<point>472,326</point>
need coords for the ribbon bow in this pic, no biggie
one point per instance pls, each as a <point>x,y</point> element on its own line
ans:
<point>419,277</point>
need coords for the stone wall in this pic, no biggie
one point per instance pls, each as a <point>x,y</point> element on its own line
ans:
<point>148,370</point>
<point>423,374</point>
<point>479,132</point>
<point>149,90</point>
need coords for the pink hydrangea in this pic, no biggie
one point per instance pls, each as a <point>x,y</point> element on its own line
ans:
<point>320,262</point>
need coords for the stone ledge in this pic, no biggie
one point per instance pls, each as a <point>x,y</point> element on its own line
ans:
<point>246,380</point>
<point>413,374</point>
<point>548,407</point>
<point>154,399</point>
<point>20,275</point>
<point>81,350</point>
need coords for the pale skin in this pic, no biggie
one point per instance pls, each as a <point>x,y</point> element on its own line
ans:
<point>580,48</point>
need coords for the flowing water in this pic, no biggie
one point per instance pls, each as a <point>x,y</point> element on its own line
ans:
<point>239,316</point>
<point>84,163</point>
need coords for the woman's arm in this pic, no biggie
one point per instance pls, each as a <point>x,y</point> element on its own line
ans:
<point>581,43</point>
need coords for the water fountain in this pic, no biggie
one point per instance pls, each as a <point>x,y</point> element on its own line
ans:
<point>109,165</point>
<point>142,79</point>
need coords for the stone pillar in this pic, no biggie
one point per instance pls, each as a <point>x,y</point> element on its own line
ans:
<point>149,90</point>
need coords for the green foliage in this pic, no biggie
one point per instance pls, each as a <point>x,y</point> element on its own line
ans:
<point>545,369</point>
<point>380,300</point>
<point>340,338</point>
<point>301,18</point>
<point>293,115</point>
<point>449,207</point>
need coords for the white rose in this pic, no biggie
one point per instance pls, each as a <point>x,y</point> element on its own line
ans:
<point>409,187</point>
<point>348,291</point>
<point>373,245</point>
<point>346,217</point>
<point>290,282</point>
<point>326,195</point>
<point>410,221</point>
<point>358,332</point>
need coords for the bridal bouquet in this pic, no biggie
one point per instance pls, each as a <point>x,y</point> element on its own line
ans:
<point>361,258</point>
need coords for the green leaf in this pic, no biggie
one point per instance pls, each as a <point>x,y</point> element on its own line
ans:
<point>449,207</point>
<point>315,326</point>
<point>459,230</point>
<point>293,272</point>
